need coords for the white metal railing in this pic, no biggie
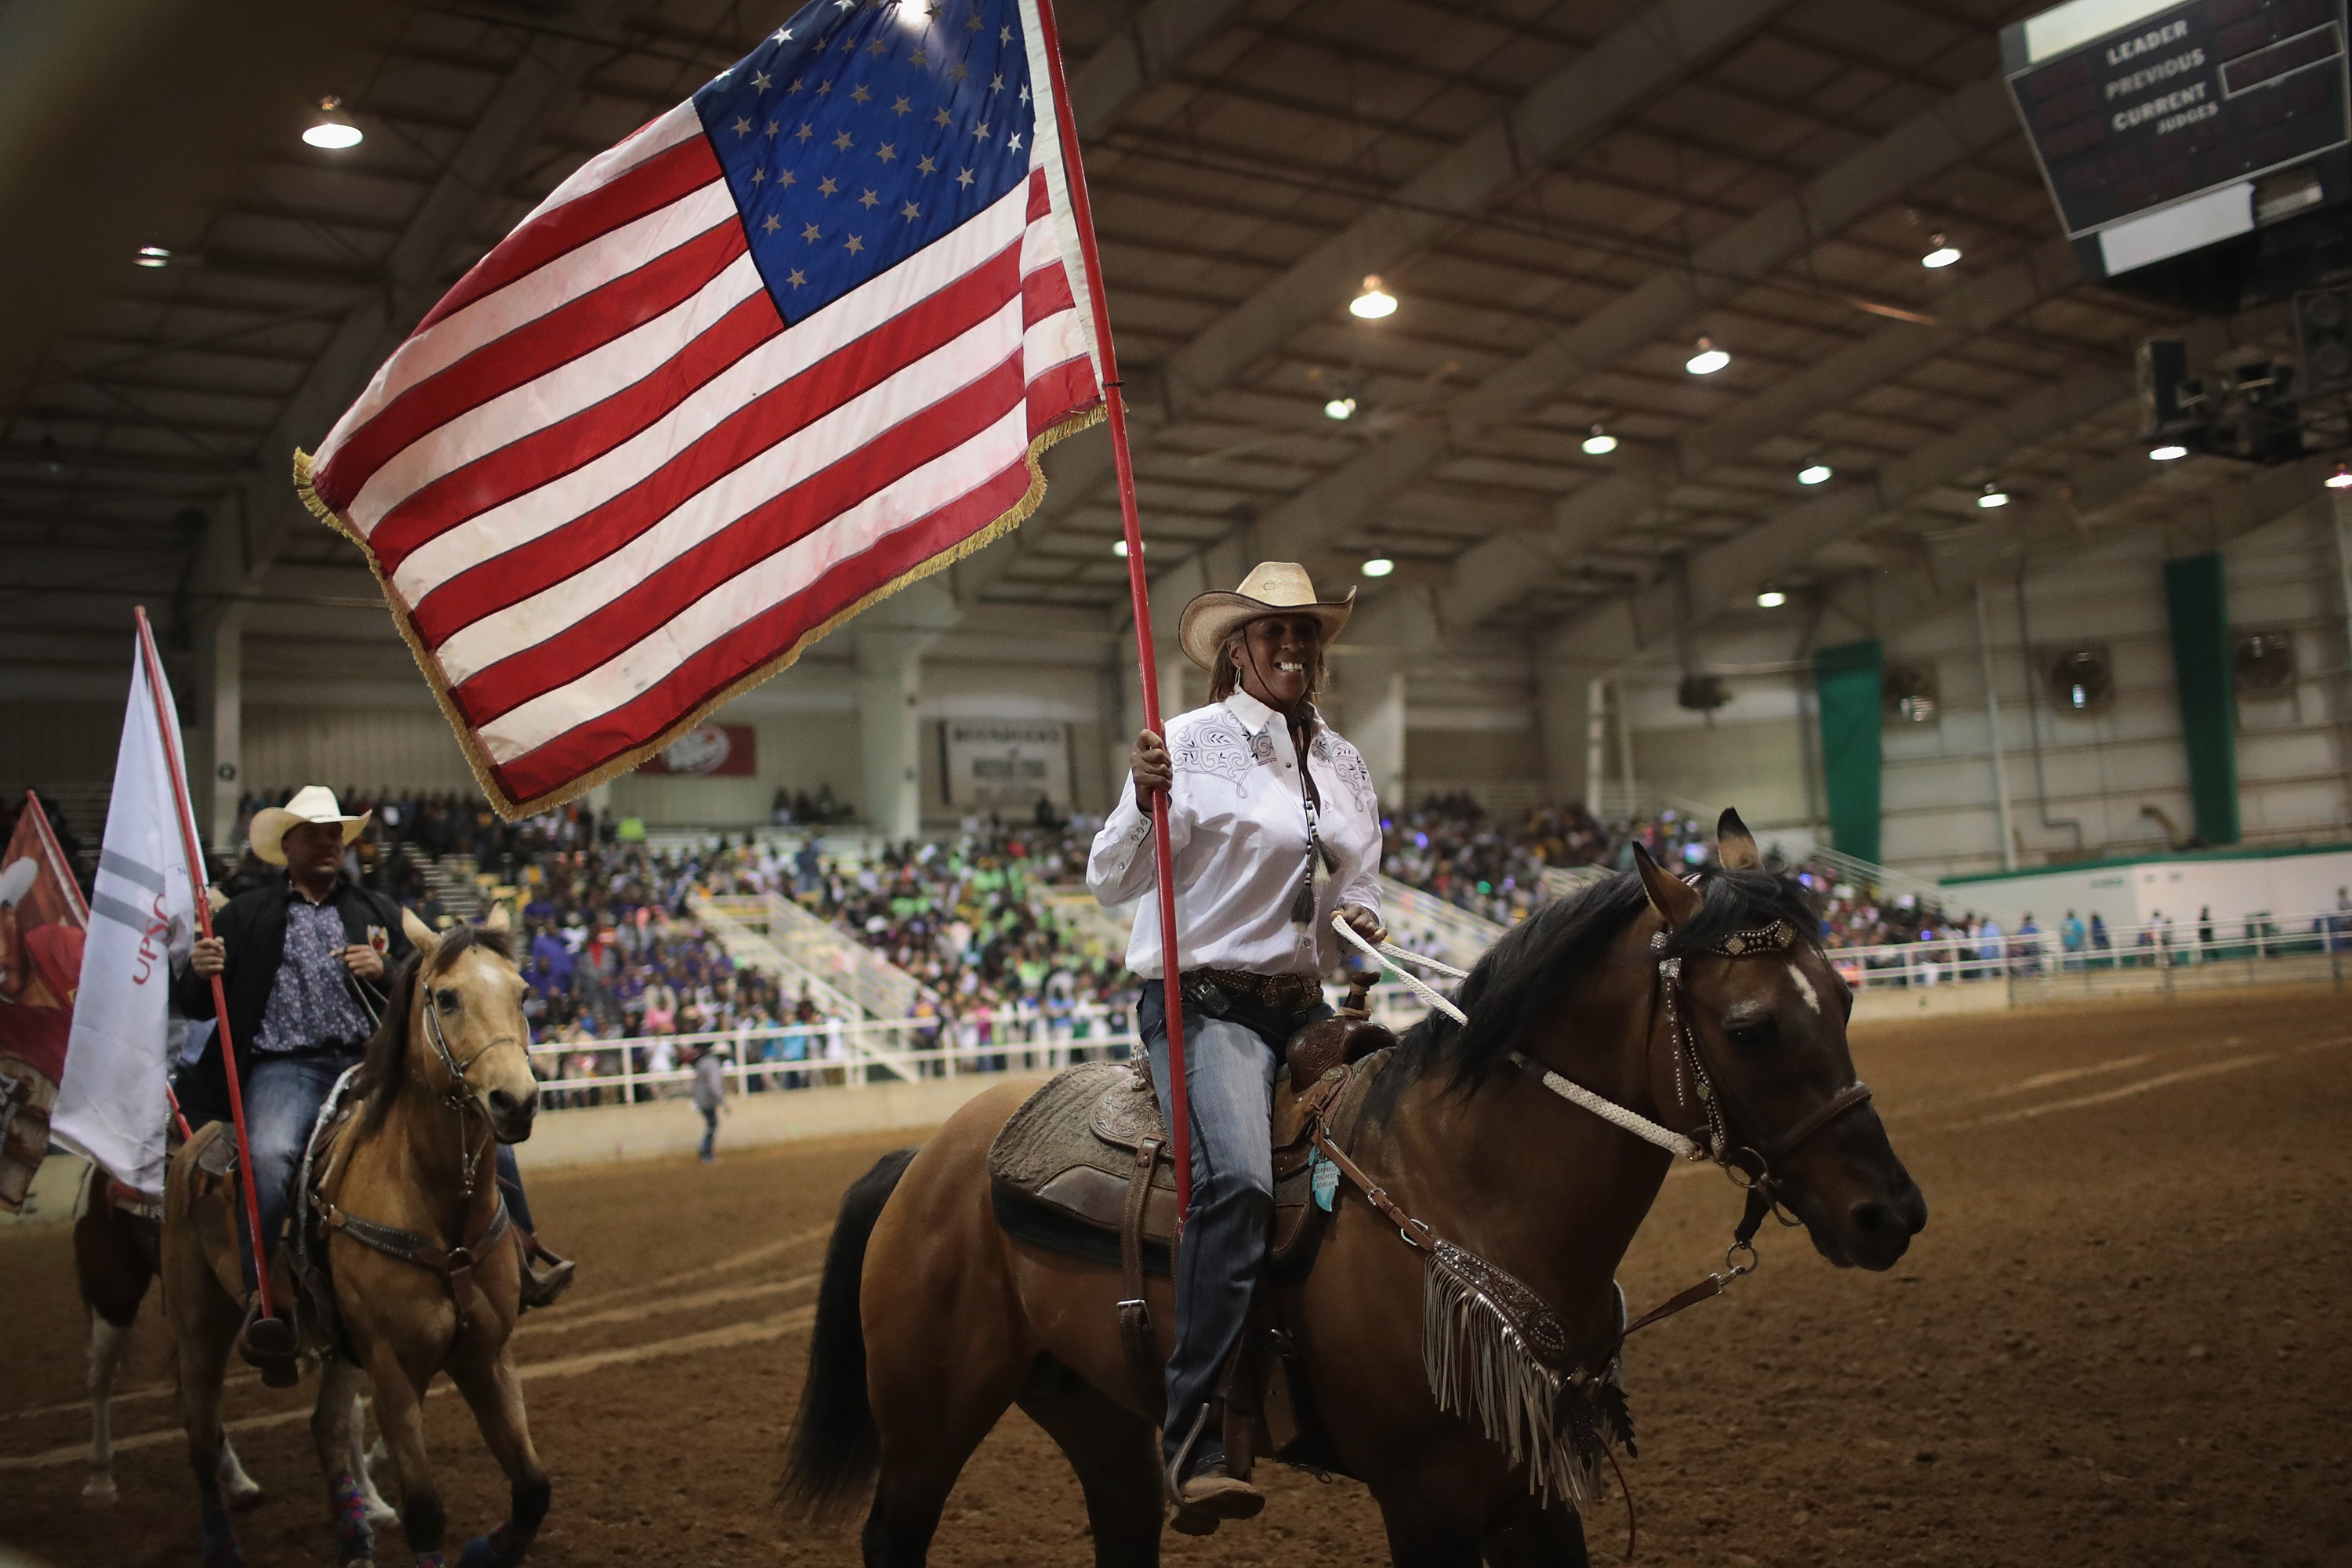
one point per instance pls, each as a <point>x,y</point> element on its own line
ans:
<point>1955,957</point>
<point>848,1054</point>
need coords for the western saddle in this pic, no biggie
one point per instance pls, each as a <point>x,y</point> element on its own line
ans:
<point>1083,1167</point>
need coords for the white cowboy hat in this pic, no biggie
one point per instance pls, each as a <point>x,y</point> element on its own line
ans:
<point>312,803</point>
<point>1272,588</point>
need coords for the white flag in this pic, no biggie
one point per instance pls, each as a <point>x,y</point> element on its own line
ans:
<point>111,1105</point>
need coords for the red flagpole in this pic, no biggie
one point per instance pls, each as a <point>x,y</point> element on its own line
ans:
<point>169,732</point>
<point>1180,1116</point>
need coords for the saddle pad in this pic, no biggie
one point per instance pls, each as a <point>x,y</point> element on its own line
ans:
<point>1060,1167</point>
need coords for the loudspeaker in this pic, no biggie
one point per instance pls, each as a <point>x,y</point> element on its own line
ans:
<point>2323,332</point>
<point>2170,400</point>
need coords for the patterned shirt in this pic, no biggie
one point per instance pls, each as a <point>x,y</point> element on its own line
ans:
<point>310,1003</point>
<point>1238,826</point>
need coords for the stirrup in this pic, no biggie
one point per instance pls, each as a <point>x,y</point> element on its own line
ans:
<point>541,1286</point>
<point>272,1345</point>
<point>1201,1516</point>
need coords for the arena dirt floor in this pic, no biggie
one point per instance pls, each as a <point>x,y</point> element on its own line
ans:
<point>2120,1341</point>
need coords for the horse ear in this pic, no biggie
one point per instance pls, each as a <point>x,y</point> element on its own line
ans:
<point>1734,844</point>
<point>1676,901</point>
<point>498,919</point>
<point>419,932</point>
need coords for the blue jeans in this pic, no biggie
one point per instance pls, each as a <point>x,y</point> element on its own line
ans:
<point>1229,1064</point>
<point>282,1096</point>
<point>709,1129</point>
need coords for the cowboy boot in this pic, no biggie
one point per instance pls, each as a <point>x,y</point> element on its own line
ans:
<point>541,1286</point>
<point>1202,1486</point>
<point>271,1345</point>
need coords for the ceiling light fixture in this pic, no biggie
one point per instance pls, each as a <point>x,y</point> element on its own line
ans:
<point>1993,496</point>
<point>2341,480</point>
<point>1600,444</point>
<point>2167,453</point>
<point>1340,408</point>
<point>332,132</point>
<point>1814,474</point>
<point>1374,302</point>
<point>1379,566</point>
<point>1943,253</point>
<point>153,256</point>
<point>1770,599</point>
<point>1708,359</point>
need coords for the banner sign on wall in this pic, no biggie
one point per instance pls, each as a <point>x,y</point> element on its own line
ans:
<point>708,751</point>
<point>1004,765</point>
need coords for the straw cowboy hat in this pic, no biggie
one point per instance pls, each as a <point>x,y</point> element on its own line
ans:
<point>312,803</point>
<point>1272,588</point>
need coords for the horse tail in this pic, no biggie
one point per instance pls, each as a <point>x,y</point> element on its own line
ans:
<point>834,1446</point>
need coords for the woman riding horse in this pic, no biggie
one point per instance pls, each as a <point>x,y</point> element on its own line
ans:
<point>1273,822</point>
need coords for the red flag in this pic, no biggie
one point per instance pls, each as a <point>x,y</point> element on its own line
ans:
<point>41,924</point>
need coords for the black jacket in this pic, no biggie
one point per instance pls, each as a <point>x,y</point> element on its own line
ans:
<point>254,926</point>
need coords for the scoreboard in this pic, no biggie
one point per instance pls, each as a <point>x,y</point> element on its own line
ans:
<point>2132,107</point>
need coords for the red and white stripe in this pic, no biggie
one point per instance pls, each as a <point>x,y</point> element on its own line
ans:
<point>604,485</point>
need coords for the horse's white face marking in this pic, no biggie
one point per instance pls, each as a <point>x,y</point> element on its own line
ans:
<point>1805,988</point>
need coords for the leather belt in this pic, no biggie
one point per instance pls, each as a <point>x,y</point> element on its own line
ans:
<point>1283,993</point>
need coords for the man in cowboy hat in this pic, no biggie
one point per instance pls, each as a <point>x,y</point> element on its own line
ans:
<point>303,964</point>
<point>1275,826</point>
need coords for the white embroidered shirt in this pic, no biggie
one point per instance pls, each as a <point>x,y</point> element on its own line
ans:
<point>1237,829</point>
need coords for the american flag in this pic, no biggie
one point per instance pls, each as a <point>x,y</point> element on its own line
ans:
<point>791,346</point>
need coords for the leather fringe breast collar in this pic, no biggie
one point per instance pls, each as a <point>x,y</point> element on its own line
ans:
<point>1495,1353</point>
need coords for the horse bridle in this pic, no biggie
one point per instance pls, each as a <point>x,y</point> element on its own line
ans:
<point>1715,1140</point>
<point>459,1096</point>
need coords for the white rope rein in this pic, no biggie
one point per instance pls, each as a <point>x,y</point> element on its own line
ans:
<point>1609,1110</point>
<point>1412,983</point>
<point>1387,955</point>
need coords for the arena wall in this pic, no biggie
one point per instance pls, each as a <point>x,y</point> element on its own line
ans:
<point>2100,773</point>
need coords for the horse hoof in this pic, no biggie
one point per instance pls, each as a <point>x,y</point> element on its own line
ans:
<point>491,1551</point>
<point>244,1498</point>
<point>382,1515</point>
<point>220,1548</point>
<point>98,1492</point>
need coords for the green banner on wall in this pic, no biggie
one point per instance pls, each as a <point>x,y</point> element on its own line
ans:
<point>1846,681</point>
<point>2197,603</point>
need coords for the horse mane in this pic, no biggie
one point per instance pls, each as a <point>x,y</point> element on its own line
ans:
<point>1525,978</point>
<point>383,1072</point>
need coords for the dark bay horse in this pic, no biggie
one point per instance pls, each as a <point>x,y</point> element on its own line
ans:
<point>425,1278</point>
<point>931,1319</point>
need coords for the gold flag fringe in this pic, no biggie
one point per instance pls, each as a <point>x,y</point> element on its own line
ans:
<point>485,768</point>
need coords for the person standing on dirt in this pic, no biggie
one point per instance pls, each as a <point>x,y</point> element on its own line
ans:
<point>1274,826</point>
<point>303,962</point>
<point>709,1094</point>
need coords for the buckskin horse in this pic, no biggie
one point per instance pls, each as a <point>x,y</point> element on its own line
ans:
<point>1461,1316</point>
<point>419,1277</point>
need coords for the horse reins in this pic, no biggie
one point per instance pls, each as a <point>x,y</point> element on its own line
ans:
<point>1692,1082</point>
